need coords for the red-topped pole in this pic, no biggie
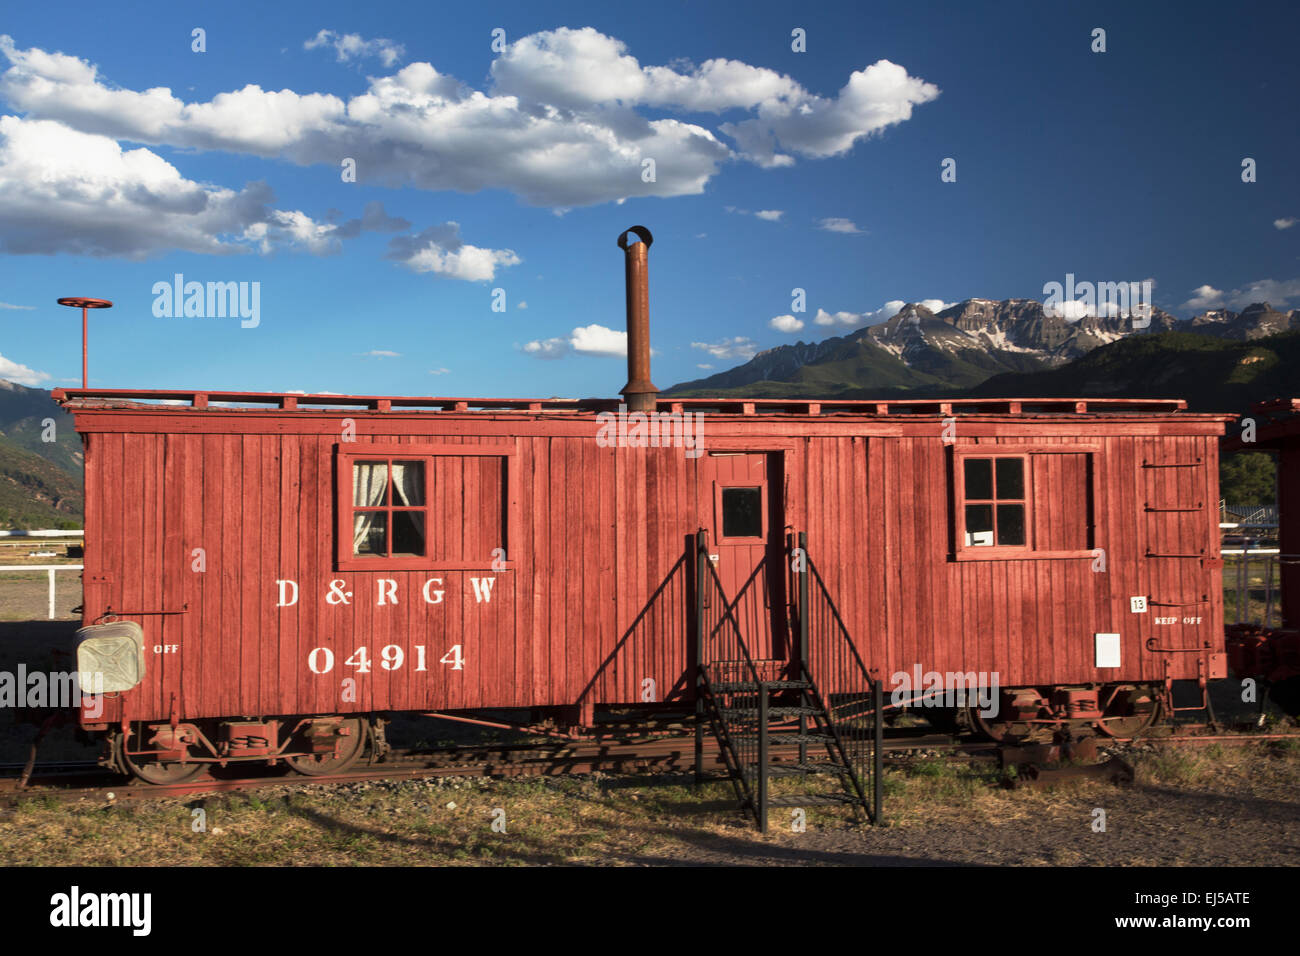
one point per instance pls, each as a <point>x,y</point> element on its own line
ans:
<point>82,303</point>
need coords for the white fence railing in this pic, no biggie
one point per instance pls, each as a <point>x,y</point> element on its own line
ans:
<point>1255,603</point>
<point>50,569</point>
<point>42,534</point>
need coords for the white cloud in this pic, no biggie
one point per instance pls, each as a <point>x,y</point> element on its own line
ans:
<point>785,323</point>
<point>21,374</point>
<point>1271,291</point>
<point>936,305</point>
<point>739,347</point>
<point>836,224</point>
<point>587,340</point>
<point>855,320</point>
<point>769,215</point>
<point>548,348</point>
<point>521,304</point>
<point>24,308</point>
<point>81,193</point>
<point>1204,297</point>
<point>704,365</point>
<point>1265,290</point>
<point>875,98</point>
<point>558,127</point>
<point>1284,223</point>
<point>598,340</point>
<point>380,353</point>
<point>351,46</point>
<point>440,250</point>
<point>439,371</point>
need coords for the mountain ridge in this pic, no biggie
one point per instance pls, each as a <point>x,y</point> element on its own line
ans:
<point>961,346</point>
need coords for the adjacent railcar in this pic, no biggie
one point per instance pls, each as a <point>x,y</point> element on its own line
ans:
<point>1267,646</point>
<point>279,569</point>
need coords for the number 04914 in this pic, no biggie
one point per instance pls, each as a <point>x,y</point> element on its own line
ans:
<point>391,658</point>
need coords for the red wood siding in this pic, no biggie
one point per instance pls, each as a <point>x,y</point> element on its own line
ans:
<point>595,599</point>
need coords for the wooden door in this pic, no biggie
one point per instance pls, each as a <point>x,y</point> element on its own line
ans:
<point>741,506</point>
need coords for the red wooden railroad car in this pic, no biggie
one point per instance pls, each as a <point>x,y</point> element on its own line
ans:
<point>457,558</point>
<point>289,565</point>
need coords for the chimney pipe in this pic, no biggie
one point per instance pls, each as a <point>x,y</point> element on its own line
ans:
<point>640,392</point>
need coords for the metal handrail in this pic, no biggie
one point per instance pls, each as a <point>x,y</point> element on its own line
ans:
<point>847,680</point>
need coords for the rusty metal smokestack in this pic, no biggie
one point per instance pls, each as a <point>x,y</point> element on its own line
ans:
<point>640,392</point>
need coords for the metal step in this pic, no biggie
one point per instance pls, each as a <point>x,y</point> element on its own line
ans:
<point>801,769</point>
<point>734,687</point>
<point>789,738</point>
<point>774,712</point>
<point>813,800</point>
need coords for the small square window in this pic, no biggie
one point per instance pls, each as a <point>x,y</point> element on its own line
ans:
<point>429,506</point>
<point>994,508</point>
<point>1017,500</point>
<point>389,517</point>
<point>742,512</point>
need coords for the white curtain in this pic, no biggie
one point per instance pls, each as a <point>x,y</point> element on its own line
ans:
<point>369,483</point>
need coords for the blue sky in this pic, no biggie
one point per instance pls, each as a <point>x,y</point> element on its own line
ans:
<point>125,159</point>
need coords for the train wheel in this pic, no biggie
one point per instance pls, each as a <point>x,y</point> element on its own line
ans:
<point>157,772</point>
<point>1025,703</point>
<point>1131,710</point>
<point>1010,731</point>
<point>353,745</point>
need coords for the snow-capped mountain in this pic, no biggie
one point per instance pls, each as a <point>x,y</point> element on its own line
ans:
<point>965,344</point>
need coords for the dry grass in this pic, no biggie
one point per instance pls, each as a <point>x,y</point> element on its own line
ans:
<point>551,821</point>
<point>595,819</point>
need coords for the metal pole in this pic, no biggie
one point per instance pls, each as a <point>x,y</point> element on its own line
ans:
<point>51,573</point>
<point>803,639</point>
<point>803,606</point>
<point>877,759</point>
<point>762,757</point>
<point>84,304</point>
<point>699,657</point>
<point>1268,589</point>
<point>640,392</point>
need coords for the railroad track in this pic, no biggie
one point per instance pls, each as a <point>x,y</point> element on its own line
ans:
<point>72,781</point>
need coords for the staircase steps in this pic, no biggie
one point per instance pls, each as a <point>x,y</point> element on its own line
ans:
<point>774,713</point>
<point>751,687</point>
<point>803,769</point>
<point>821,740</point>
<point>813,800</point>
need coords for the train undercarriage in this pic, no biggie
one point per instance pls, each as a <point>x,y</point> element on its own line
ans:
<point>1038,714</point>
<point>167,753</point>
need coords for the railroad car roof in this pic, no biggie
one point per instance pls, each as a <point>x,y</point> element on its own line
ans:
<point>1277,423</point>
<point>157,400</point>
